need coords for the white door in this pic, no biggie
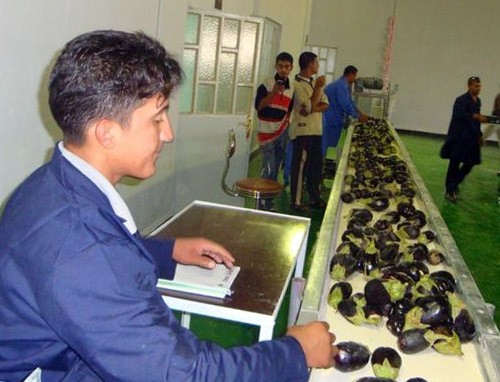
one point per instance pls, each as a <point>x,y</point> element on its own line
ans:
<point>220,58</point>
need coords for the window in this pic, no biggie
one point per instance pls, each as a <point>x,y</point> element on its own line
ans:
<point>219,61</point>
<point>326,57</point>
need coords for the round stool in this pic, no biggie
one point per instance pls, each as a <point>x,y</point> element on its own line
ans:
<point>258,188</point>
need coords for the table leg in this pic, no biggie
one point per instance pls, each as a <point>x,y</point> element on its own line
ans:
<point>186,319</point>
<point>266,331</point>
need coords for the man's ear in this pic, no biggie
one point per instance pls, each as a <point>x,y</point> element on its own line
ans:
<point>105,131</point>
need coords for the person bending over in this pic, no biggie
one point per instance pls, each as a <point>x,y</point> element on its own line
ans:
<point>77,280</point>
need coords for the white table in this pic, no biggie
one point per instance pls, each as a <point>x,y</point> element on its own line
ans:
<point>270,248</point>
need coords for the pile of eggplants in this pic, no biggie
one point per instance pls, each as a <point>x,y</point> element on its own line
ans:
<point>386,239</point>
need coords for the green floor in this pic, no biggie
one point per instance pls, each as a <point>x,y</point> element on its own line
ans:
<point>474,221</point>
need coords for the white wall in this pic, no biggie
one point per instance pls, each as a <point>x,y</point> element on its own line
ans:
<point>31,34</point>
<point>438,45</point>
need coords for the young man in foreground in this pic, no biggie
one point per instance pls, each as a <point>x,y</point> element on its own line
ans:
<point>77,281</point>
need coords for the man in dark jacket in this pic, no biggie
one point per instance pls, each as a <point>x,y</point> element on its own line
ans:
<point>463,142</point>
<point>77,280</point>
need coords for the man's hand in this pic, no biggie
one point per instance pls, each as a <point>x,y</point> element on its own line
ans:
<point>362,118</point>
<point>316,342</point>
<point>202,252</point>
<point>320,82</point>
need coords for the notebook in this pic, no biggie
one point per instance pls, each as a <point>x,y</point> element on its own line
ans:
<point>215,282</point>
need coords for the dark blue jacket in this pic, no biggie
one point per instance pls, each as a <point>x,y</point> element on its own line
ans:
<point>78,297</point>
<point>462,140</point>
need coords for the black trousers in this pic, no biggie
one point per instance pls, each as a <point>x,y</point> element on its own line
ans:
<point>456,173</point>
<point>307,164</point>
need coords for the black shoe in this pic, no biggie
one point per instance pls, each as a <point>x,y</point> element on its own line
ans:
<point>298,207</point>
<point>451,196</point>
<point>319,205</point>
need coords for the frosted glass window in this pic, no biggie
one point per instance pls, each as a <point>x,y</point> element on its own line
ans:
<point>247,52</point>
<point>330,61</point>
<point>205,99</point>
<point>227,65</point>
<point>322,53</point>
<point>208,48</point>
<point>187,89</point>
<point>230,33</point>
<point>244,98</point>
<point>191,31</point>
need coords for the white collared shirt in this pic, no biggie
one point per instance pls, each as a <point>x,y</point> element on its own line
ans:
<point>117,203</point>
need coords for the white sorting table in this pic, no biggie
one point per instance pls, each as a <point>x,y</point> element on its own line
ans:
<point>270,248</point>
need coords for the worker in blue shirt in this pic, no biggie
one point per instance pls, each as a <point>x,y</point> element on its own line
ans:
<point>77,280</point>
<point>341,107</point>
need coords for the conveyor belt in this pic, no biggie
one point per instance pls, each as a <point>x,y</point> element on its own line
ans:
<point>481,359</point>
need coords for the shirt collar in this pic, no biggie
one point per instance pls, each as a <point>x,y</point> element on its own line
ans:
<point>117,203</point>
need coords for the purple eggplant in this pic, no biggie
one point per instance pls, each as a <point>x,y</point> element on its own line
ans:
<point>418,251</point>
<point>351,356</point>
<point>416,379</point>
<point>342,266</point>
<point>374,379</point>
<point>435,257</point>
<point>436,310</point>
<point>386,362</point>
<point>338,292</point>
<point>464,326</point>
<point>413,341</point>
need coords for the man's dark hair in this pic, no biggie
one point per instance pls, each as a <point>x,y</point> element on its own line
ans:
<point>284,56</point>
<point>350,69</point>
<point>305,59</point>
<point>473,80</point>
<point>108,74</point>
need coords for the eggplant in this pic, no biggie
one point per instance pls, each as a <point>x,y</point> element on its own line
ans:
<point>374,379</point>
<point>386,362</point>
<point>356,223</point>
<point>347,197</point>
<point>413,341</point>
<point>351,356</point>
<point>418,251</point>
<point>436,310</point>
<point>379,204</point>
<point>464,326</point>
<point>353,234</point>
<point>353,312</point>
<point>418,218</point>
<point>382,226</point>
<point>342,266</point>
<point>349,248</point>
<point>382,292</point>
<point>444,282</point>
<point>363,214</point>
<point>416,379</point>
<point>392,217</point>
<point>435,257</point>
<point>389,255</point>
<point>446,341</point>
<point>395,323</point>
<point>413,269</point>
<point>428,236</point>
<point>338,292</point>
<point>408,230</point>
<point>406,209</point>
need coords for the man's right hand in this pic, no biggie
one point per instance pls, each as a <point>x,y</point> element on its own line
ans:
<point>363,118</point>
<point>320,82</point>
<point>317,343</point>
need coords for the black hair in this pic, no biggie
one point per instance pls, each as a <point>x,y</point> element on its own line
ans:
<point>350,69</point>
<point>305,59</point>
<point>473,80</point>
<point>108,74</point>
<point>284,56</point>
